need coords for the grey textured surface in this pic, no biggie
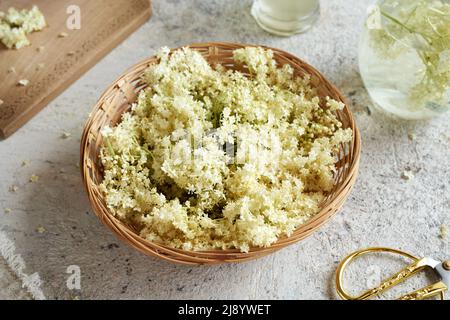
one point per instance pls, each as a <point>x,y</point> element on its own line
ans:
<point>383,209</point>
<point>10,285</point>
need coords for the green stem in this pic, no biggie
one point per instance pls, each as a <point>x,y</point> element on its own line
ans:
<point>395,20</point>
<point>411,14</point>
<point>433,27</point>
<point>404,26</point>
<point>110,148</point>
<point>149,153</point>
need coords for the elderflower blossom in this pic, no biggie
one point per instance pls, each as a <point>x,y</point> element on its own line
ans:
<point>210,158</point>
<point>15,25</point>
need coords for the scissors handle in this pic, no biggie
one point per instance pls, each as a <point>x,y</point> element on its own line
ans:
<point>417,266</point>
<point>426,292</point>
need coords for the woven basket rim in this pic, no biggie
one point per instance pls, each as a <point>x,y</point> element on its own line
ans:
<point>129,236</point>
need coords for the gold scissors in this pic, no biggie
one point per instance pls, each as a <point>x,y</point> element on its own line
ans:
<point>441,269</point>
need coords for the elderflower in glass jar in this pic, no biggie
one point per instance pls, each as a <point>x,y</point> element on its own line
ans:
<point>405,57</point>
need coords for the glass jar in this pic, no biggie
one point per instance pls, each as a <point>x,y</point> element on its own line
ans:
<point>404,57</point>
<point>286,17</point>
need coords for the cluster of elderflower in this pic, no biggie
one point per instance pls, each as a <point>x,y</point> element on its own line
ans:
<point>214,158</point>
<point>15,25</point>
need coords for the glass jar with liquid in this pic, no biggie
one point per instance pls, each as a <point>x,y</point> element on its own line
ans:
<point>404,57</point>
<point>286,17</point>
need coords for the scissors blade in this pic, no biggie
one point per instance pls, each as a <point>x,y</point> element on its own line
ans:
<point>430,262</point>
<point>439,269</point>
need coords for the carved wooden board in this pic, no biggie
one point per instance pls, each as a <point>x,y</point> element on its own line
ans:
<point>104,24</point>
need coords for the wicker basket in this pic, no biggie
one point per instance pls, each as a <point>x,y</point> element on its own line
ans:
<point>116,100</point>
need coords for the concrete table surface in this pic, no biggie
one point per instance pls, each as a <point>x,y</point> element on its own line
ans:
<point>51,225</point>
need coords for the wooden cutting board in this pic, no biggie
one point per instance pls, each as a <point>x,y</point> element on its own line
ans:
<point>104,24</point>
